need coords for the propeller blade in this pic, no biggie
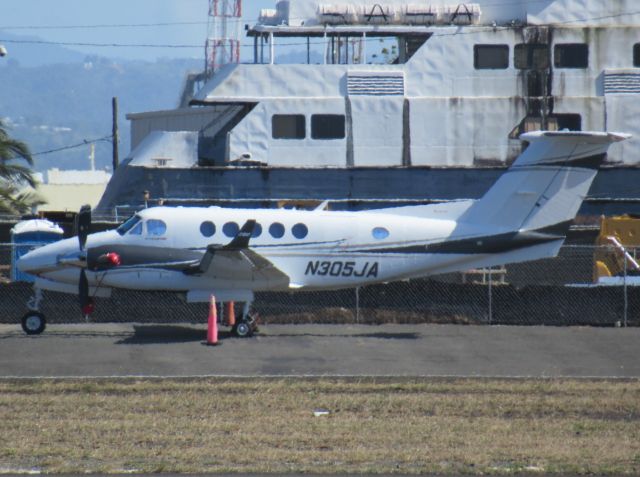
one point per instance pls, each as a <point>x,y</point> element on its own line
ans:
<point>84,225</point>
<point>83,290</point>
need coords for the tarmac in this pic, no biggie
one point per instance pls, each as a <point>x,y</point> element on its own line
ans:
<point>130,350</point>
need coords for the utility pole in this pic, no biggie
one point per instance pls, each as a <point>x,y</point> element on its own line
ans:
<point>115,138</point>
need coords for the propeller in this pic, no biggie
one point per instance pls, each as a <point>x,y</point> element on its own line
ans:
<point>83,226</point>
<point>86,302</point>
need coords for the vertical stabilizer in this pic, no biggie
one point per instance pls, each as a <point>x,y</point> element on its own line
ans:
<point>546,184</point>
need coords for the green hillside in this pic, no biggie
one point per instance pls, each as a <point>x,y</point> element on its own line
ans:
<point>55,105</point>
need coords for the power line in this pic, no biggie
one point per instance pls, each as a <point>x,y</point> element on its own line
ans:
<point>110,45</point>
<point>477,29</point>
<point>73,146</point>
<point>101,25</point>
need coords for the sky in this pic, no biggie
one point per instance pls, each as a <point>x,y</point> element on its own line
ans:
<point>83,21</point>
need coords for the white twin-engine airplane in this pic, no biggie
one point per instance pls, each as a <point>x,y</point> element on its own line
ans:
<point>232,253</point>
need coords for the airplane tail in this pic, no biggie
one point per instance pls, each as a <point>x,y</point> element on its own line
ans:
<point>545,186</point>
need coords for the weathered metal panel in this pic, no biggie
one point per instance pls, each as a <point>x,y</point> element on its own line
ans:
<point>186,119</point>
<point>377,130</point>
<point>464,131</point>
<point>580,12</point>
<point>620,117</point>
<point>253,135</point>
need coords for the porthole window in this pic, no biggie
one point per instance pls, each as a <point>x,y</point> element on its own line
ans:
<point>207,228</point>
<point>257,231</point>
<point>230,229</point>
<point>380,233</point>
<point>276,230</point>
<point>299,231</point>
<point>156,228</point>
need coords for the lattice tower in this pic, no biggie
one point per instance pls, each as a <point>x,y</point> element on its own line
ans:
<point>225,29</point>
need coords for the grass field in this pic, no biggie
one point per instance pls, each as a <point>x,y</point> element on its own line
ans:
<point>472,426</point>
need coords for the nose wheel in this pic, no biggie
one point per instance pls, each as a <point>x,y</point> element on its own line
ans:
<point>33,323</point>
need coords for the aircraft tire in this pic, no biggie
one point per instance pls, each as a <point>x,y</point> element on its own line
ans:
<point>33,323</point>
<point>243,330</point>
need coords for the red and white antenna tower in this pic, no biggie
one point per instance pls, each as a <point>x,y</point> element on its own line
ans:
<point>225,28</point>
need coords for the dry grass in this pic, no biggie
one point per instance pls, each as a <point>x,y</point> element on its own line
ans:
<point>267,425</point>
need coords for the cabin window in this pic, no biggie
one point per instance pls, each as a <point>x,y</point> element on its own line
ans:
<point>571,55</point>
<point>137,230</point>
<point>276,230</point>
<point>530,56</point>
<point>288,126</point>
<point>128,224</point>
<point>299,231</point>
<point>491,57</point>
<point>257,231</point>
<point>327,126</point>
<point>380,233</point>
<point>636,54</point>
<point>230,229</point>
<point>207,228</point>
<point>156,227</point>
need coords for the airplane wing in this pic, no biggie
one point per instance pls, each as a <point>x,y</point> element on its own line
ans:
<point>236,262</point>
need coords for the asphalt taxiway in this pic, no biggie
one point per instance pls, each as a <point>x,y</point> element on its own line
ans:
<point>321,350</point>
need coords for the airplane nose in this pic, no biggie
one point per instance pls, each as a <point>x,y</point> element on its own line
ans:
<point>46,257</point>
<point>32,261</point>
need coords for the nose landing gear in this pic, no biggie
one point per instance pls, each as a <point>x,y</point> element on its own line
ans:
<point>34,322</point>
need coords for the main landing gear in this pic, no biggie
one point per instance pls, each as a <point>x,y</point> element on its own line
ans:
<point>247,325</point>
<point>34,322</point>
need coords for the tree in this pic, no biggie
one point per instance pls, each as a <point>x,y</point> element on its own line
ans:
<point>17,184</point>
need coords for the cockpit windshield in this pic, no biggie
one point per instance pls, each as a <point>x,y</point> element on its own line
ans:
<point>128,225</point>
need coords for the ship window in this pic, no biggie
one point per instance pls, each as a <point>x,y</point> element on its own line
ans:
<point>636,54</point>
<point>156,227</point>
<point>207,228</point>
<point>128,224</point>
<point>257,231</point>
<point>299,231</point>
<point>327,126</point>
<point>529,56</point>
<point>491,57</point>
<point>231,229</point>
<point>288,126</point>
<point>276,230</point>
<point>380,233</point>
<point>571,55</point>
<point>572,122</point>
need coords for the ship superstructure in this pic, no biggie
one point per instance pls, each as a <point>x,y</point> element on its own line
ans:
<point>395,100</point>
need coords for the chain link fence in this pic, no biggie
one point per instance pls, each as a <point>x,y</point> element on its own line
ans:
<point>558,291</point>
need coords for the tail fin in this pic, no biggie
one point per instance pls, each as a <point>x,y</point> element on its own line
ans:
<point>546,184</point>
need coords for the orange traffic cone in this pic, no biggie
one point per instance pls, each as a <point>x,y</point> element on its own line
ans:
<point>212,324</point>
<point>231,313</point>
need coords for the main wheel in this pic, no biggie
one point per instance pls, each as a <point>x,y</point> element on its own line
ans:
<point>33,323</point>
<point>243,329</point>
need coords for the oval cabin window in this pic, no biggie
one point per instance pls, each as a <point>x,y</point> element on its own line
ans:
<point>380,233</point>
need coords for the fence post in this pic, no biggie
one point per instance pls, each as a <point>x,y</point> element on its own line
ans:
<point>357,304</point>
<point>490,295</point>
<point>626,298</point>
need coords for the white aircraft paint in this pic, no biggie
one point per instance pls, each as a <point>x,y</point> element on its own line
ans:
<point>524,216</point>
